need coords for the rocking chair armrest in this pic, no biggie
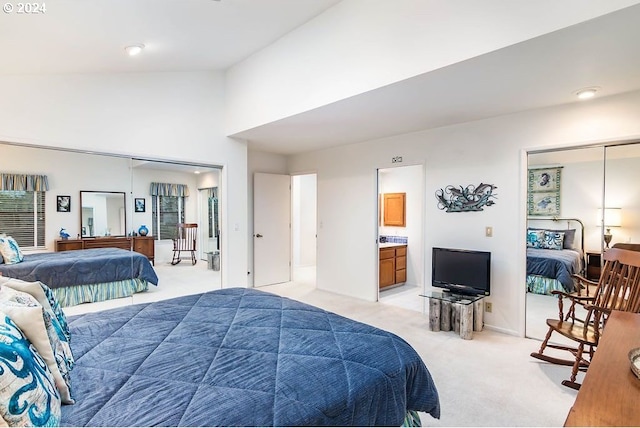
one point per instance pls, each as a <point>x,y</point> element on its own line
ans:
<point>597,308</point>
<point>582,279</point>
<point>573,296</point>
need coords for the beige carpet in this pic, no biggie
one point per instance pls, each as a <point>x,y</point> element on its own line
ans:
<point>488,381</point>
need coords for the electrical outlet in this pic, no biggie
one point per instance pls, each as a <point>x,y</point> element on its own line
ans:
<point>488,231</point>
<point>488,307</point>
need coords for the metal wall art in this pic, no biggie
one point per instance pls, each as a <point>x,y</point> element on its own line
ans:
<point>470,198</point>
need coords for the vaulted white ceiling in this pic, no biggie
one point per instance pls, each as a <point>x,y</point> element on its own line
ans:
<point>75,36</point>
<point>86,36</point>
<point>541,72</point>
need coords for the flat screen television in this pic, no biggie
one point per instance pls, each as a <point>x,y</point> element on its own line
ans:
<point>461,271</point>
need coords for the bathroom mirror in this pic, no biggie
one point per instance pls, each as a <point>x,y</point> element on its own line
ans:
<point>102,214</point>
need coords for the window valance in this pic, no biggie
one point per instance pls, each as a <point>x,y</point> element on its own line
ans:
<point>169,189</point>
<point>24,182</point>
<point>212,192</point>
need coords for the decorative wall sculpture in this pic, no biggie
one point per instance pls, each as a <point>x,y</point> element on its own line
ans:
<point>470,198</point>
<point>543,192</point>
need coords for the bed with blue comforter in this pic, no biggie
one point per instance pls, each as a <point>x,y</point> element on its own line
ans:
<point>549,270</point>
<point>90,275</point>
<point>240,357</point>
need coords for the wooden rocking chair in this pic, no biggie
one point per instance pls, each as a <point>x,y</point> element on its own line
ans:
<point>618,289</point>
<point>185,241</point>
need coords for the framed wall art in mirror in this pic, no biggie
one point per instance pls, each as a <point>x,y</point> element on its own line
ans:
<point>63,203</point>
<point>543,192</point>
<point>139,205</point>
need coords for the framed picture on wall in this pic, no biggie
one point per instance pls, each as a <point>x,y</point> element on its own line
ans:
<point>63,204</point>
<point>543,192</point>
<point>544,179</point>
<point>139,205</point>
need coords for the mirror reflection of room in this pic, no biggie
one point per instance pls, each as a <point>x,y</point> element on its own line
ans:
<point>103,214</point>
<point>597,200</point>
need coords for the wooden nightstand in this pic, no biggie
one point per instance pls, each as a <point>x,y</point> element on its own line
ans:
<point>594,265</point>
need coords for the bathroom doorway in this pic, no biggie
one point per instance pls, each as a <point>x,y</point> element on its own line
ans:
<point>408,182</point>
<point>303,227</point>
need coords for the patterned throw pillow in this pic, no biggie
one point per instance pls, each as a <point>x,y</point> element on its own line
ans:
<point>44,332</point>
<point>553,240</point>
<point>43,295</point>
<point>10,250</point>
<point>535,238</point>
<point>28,396</point>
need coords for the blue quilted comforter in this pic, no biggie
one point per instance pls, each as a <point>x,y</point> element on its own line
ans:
<point>240,357</point>
<point>557,264</point>
<point>81,267</point>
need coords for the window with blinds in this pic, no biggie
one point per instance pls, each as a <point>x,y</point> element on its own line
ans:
<point>168,211</point>
<point>22,215</point>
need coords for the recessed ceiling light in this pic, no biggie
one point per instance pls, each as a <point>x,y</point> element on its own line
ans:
<point>133,50</point>
<point>586,93</point>
<point>196,172</point>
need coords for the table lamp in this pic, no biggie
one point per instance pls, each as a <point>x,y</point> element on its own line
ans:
<point>612,218</point>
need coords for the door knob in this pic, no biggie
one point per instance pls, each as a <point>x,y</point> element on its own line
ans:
<point>258,236</point>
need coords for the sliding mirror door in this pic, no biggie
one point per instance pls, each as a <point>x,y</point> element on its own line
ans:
<point>565,192</point>
<point>166,194</point>
<point>621,219</point>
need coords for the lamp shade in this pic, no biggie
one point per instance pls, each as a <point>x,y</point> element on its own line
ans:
<point>612,217</point>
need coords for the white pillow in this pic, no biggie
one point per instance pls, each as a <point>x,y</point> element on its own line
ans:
<point>43,295</point>
<point>38,326</point>
<point>10,250</point>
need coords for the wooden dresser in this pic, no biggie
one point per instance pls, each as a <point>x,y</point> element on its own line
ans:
<point>142,244</point>
<point>610,392</point>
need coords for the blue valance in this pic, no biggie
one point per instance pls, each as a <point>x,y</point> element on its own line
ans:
<point>24,182</point>
<point>169,189</point>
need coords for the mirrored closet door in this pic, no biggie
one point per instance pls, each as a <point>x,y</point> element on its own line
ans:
<point>580,202</point>
<point>91,197</point>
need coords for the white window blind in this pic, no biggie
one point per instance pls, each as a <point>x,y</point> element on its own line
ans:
<point>22,215</point>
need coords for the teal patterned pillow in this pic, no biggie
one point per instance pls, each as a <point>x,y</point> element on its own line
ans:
<point>57,310</point>
<point>28,396</point>
<point>10,250</point>
<point>535,238</point>
<point>42,329</point>
<point>553,240</point>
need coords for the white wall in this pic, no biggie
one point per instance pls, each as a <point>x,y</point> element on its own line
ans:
<point>490,151</point>
<point>409,180</point>
<point>169,116</point>
<point>360,45</point>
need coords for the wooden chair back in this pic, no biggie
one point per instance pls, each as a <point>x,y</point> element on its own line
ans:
<point>618,288</point>
<point>185,237</point>
<point>185,241</point>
